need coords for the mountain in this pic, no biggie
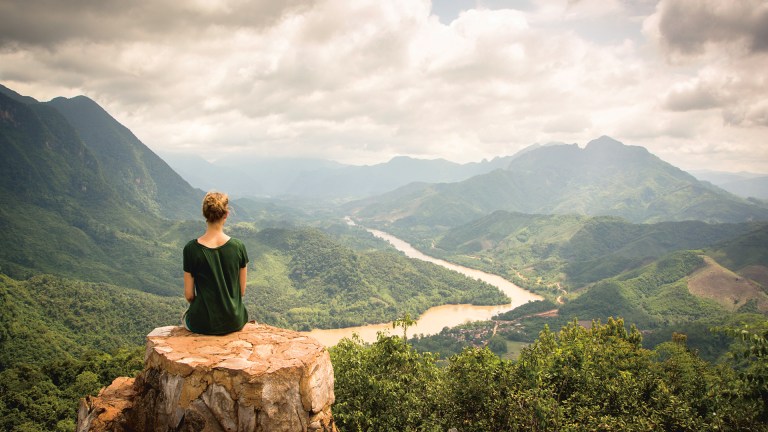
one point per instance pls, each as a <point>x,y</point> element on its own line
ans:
<point>368,180</point>
<point>743,184</point>
<point>604,178</point>
<point>16,96</point>
<point>571,249</point>
<point>321,179</point>
<point>85,200</point>
<point>70,210</point>
<point>728,276</point>
<point>138,175</point>
<point>719,178</point>
<point>748,188</point>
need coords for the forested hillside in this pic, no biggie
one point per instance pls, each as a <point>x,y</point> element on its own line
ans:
<point>604,178</point>
<point>137,174</point>
<point>304,279</point>
<point>93,224</point>
<point>542,252</point>
<point>90,262</point>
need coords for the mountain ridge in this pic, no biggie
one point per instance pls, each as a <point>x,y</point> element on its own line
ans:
<point>604,178</point>
<point>321,179</point>
<point>138,174</point>
<point>64,213</point>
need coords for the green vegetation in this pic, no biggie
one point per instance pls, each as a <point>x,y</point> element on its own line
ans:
<point>46,318</point>
<point>744,250</point>
<point>90,263</point>
<point>61,340</point>
<point>576,379</point>
<point>651,296</point>
<point>142,180</point>
<point>44,396</point>
<point>304,279</point>
<point>655,297</point>
<point>527,309</point>
<point>605,178</point>
<point>545,253</point>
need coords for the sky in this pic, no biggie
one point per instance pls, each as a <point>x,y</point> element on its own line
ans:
<point>363,81</point>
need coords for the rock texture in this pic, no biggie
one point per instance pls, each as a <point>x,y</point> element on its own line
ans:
<point>259,379</point>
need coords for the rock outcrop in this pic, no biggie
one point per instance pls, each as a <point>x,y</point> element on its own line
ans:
<point>259,379</point>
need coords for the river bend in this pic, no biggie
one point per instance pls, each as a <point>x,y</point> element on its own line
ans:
<point>436,318</point>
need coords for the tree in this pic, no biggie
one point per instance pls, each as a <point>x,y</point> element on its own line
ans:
<point>478,391</point>
<point>404,321</point>
<point>384,386</point>
<point>750,358</point>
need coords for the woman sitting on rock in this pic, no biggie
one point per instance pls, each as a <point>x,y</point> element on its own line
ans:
<point>214,274</point>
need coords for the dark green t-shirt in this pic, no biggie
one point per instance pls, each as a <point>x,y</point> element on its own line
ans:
<point>218,306</point>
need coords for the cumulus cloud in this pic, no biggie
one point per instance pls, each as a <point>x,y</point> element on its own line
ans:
<point>50,23</point>
<point>365,80</point>
<point>696,95</point>
<point>692,27</point>
<point>727,43</point>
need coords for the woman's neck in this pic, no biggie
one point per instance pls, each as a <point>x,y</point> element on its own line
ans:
<point>215,227</point>
<point>214,235</point>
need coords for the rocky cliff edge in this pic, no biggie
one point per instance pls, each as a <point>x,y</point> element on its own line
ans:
<point>261,378</point>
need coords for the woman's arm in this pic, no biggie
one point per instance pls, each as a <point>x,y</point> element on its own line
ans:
<point>243,277</point>
<point>189,287</point>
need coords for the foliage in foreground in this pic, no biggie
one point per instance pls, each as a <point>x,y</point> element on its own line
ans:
<point>44,397</point>
<point>576,379</point>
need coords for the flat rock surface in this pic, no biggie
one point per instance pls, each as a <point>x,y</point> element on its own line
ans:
<point>255,350</point>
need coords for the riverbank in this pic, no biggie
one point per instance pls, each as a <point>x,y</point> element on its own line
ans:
<point>434,319</point>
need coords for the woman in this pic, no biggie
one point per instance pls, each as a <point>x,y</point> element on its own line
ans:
<point>214,274</point>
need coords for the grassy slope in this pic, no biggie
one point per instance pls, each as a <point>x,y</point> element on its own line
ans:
<point>730,290</point>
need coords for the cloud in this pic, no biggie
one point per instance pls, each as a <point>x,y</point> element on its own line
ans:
<point>51,23</point>
<point>362,81</point>
<point>689,28</point>
<point>696,95</point>
<point>384,76</point>
<point>725,44</point>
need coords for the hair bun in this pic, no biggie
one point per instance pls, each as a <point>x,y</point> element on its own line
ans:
<point>215,206</point>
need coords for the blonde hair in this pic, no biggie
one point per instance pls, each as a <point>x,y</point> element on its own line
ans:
<point>215,206</point>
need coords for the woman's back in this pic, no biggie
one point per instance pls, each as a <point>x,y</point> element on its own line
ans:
<point>215,274</point>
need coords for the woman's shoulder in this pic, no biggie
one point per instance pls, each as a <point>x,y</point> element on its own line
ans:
<point>191,244</point>
<point>236,242</point>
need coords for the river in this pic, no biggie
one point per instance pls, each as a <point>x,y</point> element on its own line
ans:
<point>434,319</point>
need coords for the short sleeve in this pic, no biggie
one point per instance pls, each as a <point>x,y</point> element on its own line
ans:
<point>187,258</point>
<point>243,256</point>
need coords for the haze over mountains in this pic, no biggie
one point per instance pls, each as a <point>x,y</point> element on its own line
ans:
<point>93,223</point>
<point>604,178</point>
<point>539,179</point>
<point>742,184</point>
<point>321,179</point>
<point>86,179</point>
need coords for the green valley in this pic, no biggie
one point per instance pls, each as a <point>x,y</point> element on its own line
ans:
<point>93,224</point>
